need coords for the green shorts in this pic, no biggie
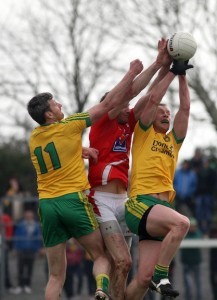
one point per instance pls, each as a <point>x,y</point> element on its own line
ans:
<point>136,212</point>
<point>64,217</point>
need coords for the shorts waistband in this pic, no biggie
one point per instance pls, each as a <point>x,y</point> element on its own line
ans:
<point>66,196</point>
<point>108,195</point>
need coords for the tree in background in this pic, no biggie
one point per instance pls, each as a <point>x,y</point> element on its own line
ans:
<point>77,48</point>
<point>60,47</point>
<point>74,48</point>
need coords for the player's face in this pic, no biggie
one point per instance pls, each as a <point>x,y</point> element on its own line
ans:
<point>162,119</point>
<point>55,108</point>
<point>123,116</point>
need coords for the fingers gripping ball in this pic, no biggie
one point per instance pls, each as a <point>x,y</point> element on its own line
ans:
<point>180,67</point>
<point>181,46</point>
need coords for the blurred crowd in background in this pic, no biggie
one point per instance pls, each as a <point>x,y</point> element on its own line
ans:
<point>195,183</point>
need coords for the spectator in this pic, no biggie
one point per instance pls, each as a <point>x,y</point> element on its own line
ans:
<point>185,184</point>
<point>6,228</point>
<point>191,259</point>
<point>27,242</point>
<point>197,160</point>
<point>11,202</point>
<point>206,185</point>
<point>212,265</point>
<point>74,256</point>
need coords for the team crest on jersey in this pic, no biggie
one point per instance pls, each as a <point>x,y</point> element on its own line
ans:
<point>166,138</point>
<point>120,144</point>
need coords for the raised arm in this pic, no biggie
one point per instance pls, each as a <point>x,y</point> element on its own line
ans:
<point>119,95</point>
<point>158,91</point>
<point>180,124</point>
<point>163,62</point>
<point>154,98</point>
<point>162,59</point>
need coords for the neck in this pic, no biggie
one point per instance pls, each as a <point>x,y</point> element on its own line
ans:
<point>49,122</point>
<point>158,130</point>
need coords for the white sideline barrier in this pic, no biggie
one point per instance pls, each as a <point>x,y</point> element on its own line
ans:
<point>199,243</point>
<point>189,243</point>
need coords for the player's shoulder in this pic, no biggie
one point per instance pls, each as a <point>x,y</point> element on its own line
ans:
<point>76,117</point>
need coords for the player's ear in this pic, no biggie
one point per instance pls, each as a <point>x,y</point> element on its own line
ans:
<point>48,114</point>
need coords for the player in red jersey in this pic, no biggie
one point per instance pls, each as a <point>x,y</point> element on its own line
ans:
<point>56,150</point>
<point>108,178</point>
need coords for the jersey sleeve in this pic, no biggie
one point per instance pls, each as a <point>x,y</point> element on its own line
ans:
<point>98,130</point>
<point>77,122</point>
<point>132,119</point>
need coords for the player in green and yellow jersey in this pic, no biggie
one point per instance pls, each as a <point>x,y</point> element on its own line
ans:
<point>56,153</point>
<point>149,211</point>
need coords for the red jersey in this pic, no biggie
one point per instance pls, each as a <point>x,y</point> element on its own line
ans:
<point>113,140</point>
<point>6,221</point>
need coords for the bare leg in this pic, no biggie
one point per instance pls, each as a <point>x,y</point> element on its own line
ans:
<point>163,221</point>
<point>57,268</point>
<point>94,245</point>
<point>148,255</point>
<point>120,254</point>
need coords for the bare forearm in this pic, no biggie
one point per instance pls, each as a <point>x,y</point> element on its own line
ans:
<point>144,78</point>
<point>154,86</point>
<point>162,62</point>
<point>160,89</point>
<point>124,87</point>
<point>184,94</point>
<point>162,73</point>
<point>119,94</point>
<point>180,124</point>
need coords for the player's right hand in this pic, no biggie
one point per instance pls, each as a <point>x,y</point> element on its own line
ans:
<point>163,57</point>
<point>136,66</point>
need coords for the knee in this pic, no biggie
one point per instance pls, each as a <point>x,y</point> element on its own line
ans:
<point>57,278</point>
<point>144,279</point>
<point>124,263</point>
<point>185,224</point>
<point>182,227</point>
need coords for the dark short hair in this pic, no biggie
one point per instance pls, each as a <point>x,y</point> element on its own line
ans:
<point>38,105</point>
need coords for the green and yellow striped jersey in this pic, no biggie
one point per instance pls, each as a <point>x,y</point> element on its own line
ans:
<point>56,153</point>
<point>154,158</point>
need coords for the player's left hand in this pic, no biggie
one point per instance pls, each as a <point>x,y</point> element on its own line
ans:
<point>180,67</point>
<point>90,153</point>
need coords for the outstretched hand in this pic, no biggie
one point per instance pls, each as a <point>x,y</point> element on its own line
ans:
<point>180,67</point>
<point>136,66</point>
<point>163,57</point>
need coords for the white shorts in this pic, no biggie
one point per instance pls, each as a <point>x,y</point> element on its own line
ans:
<point>110,207</point>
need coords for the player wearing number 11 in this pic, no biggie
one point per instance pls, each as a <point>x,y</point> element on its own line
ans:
<point>56,153</point>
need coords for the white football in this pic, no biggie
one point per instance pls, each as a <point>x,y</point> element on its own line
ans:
<point>181,46</point>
